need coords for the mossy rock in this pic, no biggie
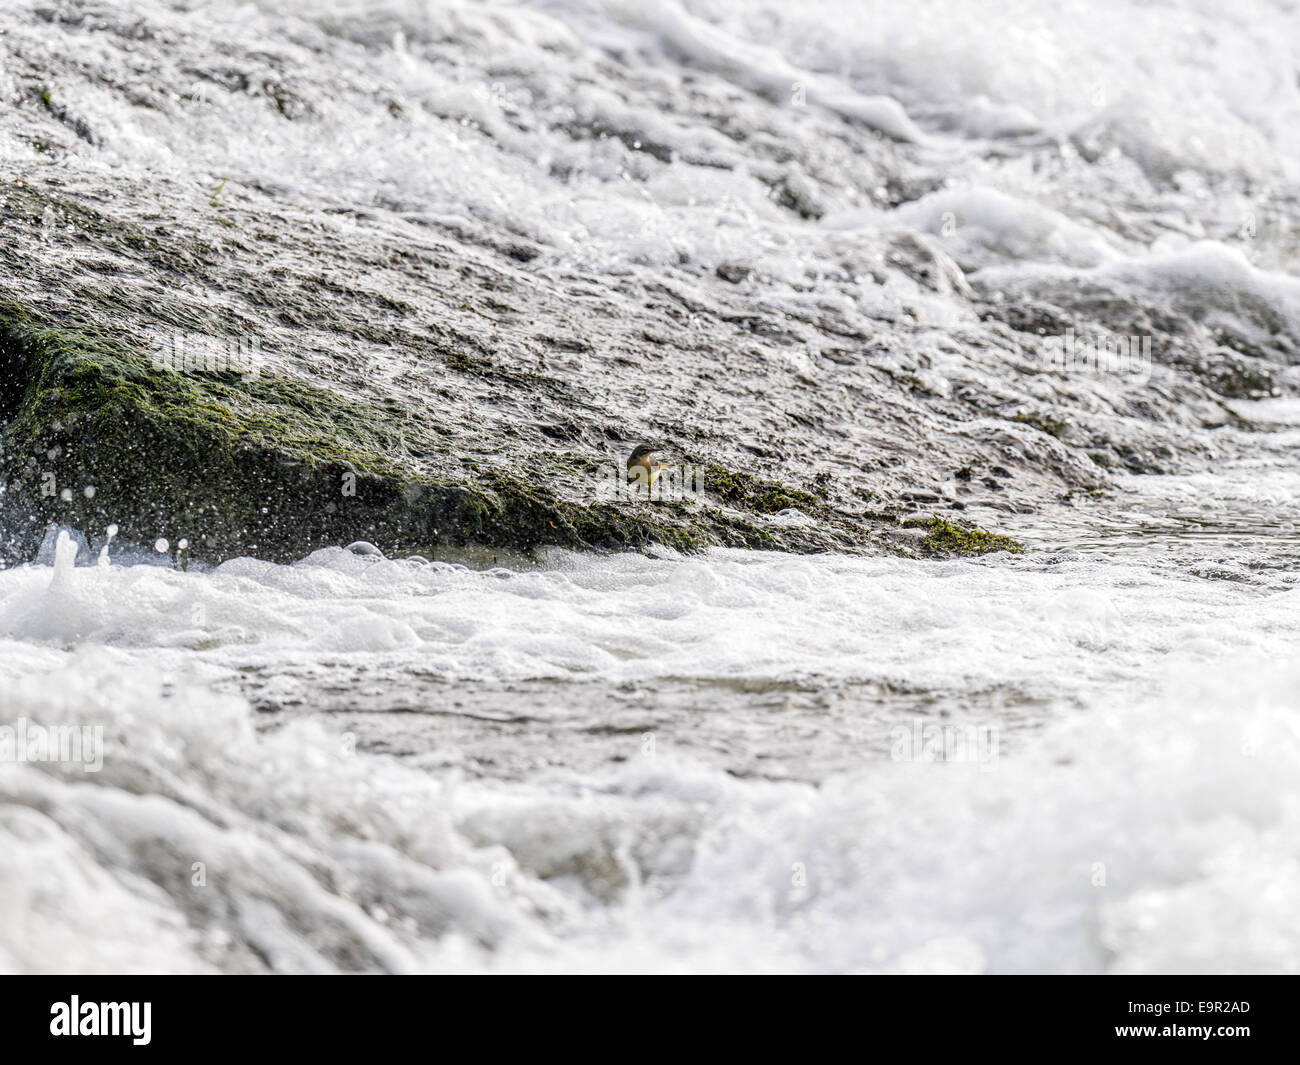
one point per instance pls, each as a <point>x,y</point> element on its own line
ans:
<point>1044,423</point>
<point>94,433</point>
<point>747,492</point>
<point>944,538</point>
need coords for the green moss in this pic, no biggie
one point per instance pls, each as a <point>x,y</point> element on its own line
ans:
<point>945,538</point>
<point>255,464</point>
<point>99,440</point>
<point>746,492</point>
<point>273,466</point>
<point>92,433</point>
<point>1043,423</point>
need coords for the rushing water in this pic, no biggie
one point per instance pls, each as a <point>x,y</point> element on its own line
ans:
<point>1079,759</point>
<point>1082,758</point>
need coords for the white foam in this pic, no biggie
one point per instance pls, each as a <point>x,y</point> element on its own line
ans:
<point>984,225</point>
<point>1273,411</point>
<point>1181,783</point>
<point>299,843</point>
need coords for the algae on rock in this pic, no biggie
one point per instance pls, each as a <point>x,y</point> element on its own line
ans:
<point>93,433</point>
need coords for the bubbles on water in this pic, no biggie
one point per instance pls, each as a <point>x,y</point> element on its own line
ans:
<point>109,534</point>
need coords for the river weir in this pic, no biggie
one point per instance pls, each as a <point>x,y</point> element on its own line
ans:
<point>956,633</point>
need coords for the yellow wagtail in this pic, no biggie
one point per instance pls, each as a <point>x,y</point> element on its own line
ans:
<point>642,466</point>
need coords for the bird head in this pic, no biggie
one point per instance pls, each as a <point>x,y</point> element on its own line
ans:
<point>641,454</point>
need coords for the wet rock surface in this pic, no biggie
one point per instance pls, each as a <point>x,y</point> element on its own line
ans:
<point>466,357</point>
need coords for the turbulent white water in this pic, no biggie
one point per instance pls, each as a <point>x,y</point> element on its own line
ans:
<point>1085,758</point>
<point>557,793</point>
